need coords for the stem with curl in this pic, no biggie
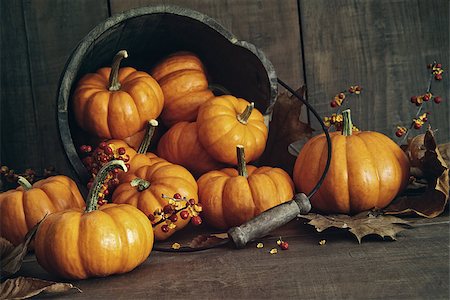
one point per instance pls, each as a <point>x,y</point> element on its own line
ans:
<point>92,198</point>
<point>24,183</point>
<point>114,84</point>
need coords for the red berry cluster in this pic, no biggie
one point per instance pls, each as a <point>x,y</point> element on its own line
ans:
<point>338,100</point>
<point>418,121</point>
<point>177,206</point>
<point>436,70</point>
<point>340,97</point>
<point>9,177</point>
<point>336,120</point>
<point>96,159</point>
<point>420,99</point>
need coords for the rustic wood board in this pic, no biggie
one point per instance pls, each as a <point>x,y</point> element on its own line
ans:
<point>271,25</point>
<point>382,45</point>
<point>414,266</point>
<point>40,36</point>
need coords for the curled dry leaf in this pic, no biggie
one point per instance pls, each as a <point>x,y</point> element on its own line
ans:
<point>360,225</point>
<point>12,257</point>
<point>24,287</point>
<point>285,128</point>
<point>429,167</point>
<point>206,241</point>
<point>5,248</point>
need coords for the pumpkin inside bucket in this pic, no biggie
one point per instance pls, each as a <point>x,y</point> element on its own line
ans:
<point>150,34</point>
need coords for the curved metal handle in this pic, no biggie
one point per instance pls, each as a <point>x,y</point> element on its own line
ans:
<point>269,220</point>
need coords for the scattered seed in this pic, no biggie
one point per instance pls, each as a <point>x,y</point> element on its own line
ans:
<point>322,242</point>
<point>273,251</point>
<point>176,246</point>
<point>259,245</point>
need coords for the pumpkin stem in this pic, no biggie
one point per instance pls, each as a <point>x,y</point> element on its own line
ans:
<point>151,126</point>
<point>99,180</point>
<point>347,126</point>
<point>114,84</point>
<point>24,183</point>
<point>140,183</point>
<point>243,117</point>
<point>242,166</point>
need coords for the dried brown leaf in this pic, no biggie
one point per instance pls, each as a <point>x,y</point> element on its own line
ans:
<point>360,225</point>
<point>12,258</point>
<point>5,247</point>
<point>433,168</point>
<point>206,241</point>
<point>444,150</point>
<point>25,287</point>
<point>285,128</point>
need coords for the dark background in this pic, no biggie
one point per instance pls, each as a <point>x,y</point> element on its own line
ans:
<point>384,46</point>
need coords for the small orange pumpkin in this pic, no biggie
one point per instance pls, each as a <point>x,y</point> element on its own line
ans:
<point>77,244</point>
<point>22,208</point>
<point>231,197</point>
<point>116,103</point>
<point>367,170</point>
<point>183,81</point>
<point>144,188</point>
<point>180,145</point>
<point>225,122</point>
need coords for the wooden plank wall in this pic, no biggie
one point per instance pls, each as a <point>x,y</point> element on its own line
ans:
<point>325,44</point>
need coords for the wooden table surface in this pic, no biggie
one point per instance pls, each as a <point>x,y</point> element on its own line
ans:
<point>415,266</point>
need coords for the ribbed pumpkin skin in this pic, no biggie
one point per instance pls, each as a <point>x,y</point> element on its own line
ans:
<point>367,170</point>
<point>230,200</point>
<point>180,145</point>
<point>220,131</point>
<point>164,178</point>
<point>116,114</point>
<point>183,81</point>
<point>20,210</point>
<point>136,161</point>
<point>77,245</point>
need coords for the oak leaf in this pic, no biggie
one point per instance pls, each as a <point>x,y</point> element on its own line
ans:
<point>360,225</point>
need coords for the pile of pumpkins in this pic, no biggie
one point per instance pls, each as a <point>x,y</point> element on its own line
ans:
<point>199,166</point>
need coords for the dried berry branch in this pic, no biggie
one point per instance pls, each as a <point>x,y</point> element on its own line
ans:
<point>177,205</point>
<point>338,100</point>
<point>420,117</point>
<point>9,177</point>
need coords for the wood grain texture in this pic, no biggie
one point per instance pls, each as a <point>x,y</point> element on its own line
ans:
<point>416,266</point>
<point>272,26</point>
<point>382,45</point>
<point>18,120</point>
<point>40,36</point>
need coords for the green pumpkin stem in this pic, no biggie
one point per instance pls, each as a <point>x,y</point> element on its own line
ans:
<point>242,165</point>
<point>151,127</point>
<point>243,117</point>
<point>140,183</point>
<point>24,183</point>
<point>92,198</point>
<point>347,126</point>
<point>114,84</point>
